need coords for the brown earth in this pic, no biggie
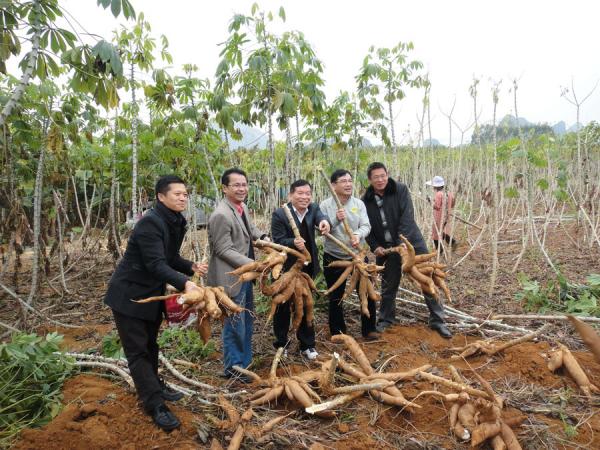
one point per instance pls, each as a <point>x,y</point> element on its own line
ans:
<point>100,413</point>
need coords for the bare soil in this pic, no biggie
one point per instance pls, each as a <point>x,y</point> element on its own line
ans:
<point>100,413</point>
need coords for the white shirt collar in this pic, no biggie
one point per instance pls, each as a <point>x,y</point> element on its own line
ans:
<point>299,215</point>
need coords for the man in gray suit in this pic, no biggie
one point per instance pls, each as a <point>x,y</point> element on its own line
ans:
<point>230,234</point>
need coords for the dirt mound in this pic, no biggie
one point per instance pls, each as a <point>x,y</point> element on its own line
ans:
<point>552,401</point>
<point>101,415</point>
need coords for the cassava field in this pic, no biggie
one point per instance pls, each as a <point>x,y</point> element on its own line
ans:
<point>83,138</point>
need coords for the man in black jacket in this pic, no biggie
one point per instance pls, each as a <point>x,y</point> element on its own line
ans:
<point>390,212</point>
<point>307,216</point>
<point>151,260</point>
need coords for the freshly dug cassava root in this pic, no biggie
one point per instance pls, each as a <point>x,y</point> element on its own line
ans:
<point>209,302</point>
<point>485,431</point>
<point>426,274</point>
<point>388,394</point>
<point>588,335</point>
<point>273,261</point>
<point>491,348</point>
<point>238,436</point>
<point>293,285</point>
<point>481,419</point>
<point>360,274</point>
<point>562,357</point>
<point>295,388</point>
<point>296,287</point>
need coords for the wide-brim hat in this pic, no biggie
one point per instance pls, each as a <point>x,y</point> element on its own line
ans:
<point>436,181</point>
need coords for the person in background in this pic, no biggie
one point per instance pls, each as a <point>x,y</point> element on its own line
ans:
<point>230,236</point>
<point>152,260</point>
<point>355,213</point>
<point>443,205</point>
<point>390,212</point>
<point>307,216</point>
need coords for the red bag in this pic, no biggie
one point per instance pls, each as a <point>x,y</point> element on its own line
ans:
<point>175,312</point>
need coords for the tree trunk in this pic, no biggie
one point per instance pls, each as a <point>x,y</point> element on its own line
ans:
<point>134,149</point>
<point>37,212</point>
<point>31,61</point>
<point>495,201</point>
<point>113,240</point>
<point>298,148</point>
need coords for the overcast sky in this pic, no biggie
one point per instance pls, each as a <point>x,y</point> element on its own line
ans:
<point>545,45</point>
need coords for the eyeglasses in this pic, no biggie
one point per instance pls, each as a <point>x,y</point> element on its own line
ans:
<point>238,186</point>
<point>344,181</point>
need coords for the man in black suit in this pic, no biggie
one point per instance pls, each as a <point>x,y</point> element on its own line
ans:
<point>152,260</point>
<point>307,216</point>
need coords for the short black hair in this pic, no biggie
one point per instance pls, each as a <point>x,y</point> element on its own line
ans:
<point>374,166</point>
<point>225,176</point>
<point>338,173</point>
<point>299,183</point>
<point>163,184</point>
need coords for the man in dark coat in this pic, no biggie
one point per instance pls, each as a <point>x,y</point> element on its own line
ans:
<point>390,212</point>
<point>151,260</point>
<point>307,216</point>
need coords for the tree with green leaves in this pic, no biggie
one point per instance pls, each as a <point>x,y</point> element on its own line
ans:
<point>94,69</point>
<point>388,72</point>
<point>137,46</point>
<point>248,61</point>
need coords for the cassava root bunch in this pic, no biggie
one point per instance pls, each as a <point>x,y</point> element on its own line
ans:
<point>296,388</point>
<point>210,303</point>
<point>293,285</point>
<point>380,386</point>
<point>426,274</point>
<point>478,419</point>
<point>361,275</point>
<point>272,262</point>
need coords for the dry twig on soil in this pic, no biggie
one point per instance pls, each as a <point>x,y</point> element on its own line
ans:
<point>491,348</point>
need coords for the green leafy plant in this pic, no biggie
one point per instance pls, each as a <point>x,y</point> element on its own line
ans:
<point>111,346</point>
<point>581,298</point>
<point>32,372</point>
<point>561,295</point>
<point>184,344</point>
<point>534,296</point>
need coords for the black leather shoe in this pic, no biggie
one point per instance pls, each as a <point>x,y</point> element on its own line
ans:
<point>164,418</point>
<point>171,395</point>
<point>372,336</point>
<point>442,330</point>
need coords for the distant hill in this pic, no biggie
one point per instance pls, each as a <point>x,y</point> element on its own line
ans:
<point>431,143</point>
<point>256,138</point>
<point>511,121</point>
<point>559,128</point>
<point>575,128</point>
<point>507,129</point>
<point>251,138</point>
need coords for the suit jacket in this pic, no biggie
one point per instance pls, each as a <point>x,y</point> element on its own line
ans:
<point>282,233</point>
<point>150,261</point>
<point>229,242</point>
